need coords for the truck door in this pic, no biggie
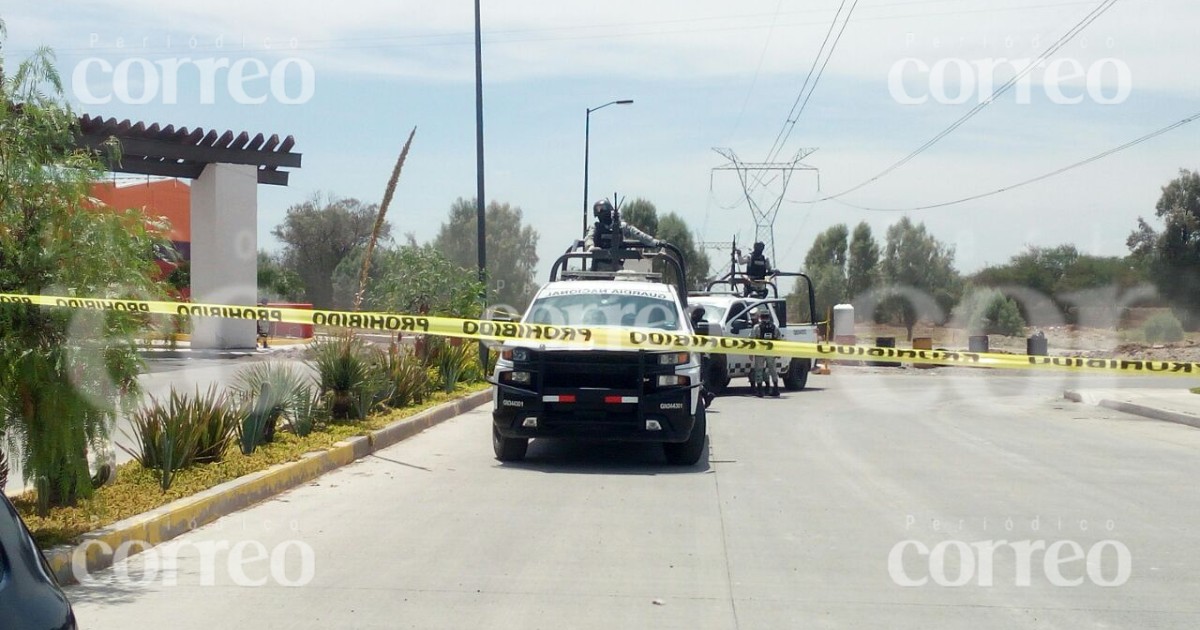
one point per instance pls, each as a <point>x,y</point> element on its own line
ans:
<point>738,324</point>
<point>746,324</point>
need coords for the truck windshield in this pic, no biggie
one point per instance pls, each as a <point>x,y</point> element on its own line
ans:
<point>604,309</point>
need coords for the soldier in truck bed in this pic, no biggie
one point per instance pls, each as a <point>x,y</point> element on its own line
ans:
<point>608,232</point>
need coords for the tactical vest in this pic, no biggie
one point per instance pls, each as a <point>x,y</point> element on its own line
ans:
<point>757,268</point>
<point>608,237</point>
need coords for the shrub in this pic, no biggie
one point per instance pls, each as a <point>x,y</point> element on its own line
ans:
<point>407,377</point>
<point>350,373</point>
<point>1163,327</point>
<point>1004,318</point>
<point>989,312</point>
<point>478,371</point>
<point>451,360</point>
<point>172,436</point>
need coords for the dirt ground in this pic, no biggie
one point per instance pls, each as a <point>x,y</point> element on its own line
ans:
<point>1061,341</point>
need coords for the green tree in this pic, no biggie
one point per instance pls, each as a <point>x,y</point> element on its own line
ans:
<point>275,280</point>
<point>318,233</point>
<point>511,249</point>
<point>674,230</point>
<point>825,263</point>
<point>348,275</point>
<point>1172,256</point>
<point>1065,276</point>
<point>828,249</point>
<point>63,374</point>
<point>862,266</point>
<point>421,279</point>
<point>641,214</point>
<point>915,260</point>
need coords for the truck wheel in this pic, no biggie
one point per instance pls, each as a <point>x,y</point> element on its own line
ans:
<point>508,449</point>
<point>689,452</point>
<point>797,375</point>
<point>717,379</point>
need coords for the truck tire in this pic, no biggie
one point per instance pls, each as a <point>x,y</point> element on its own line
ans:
<point>508,449</point>
<point>689,452</point>
<point>797,375</point>
<point>717,378</point>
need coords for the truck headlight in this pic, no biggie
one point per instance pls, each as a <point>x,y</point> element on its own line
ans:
<point>516,378</point>
<point>672,380</point>
<point>515,354</point>
<point>674,358</point>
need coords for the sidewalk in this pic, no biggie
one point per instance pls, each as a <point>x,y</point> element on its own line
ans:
<point>183,350</point>
<point>1170,405</point>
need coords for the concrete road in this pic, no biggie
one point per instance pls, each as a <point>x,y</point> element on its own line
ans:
<point>876,499</point>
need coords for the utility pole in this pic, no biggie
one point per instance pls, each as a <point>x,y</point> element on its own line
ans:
<point>480,203</point>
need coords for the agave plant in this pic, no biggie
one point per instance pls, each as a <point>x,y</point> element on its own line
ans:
<point>407,375</point>
<point>350,375</point>
<point>217,418</point>
<point>3,468</point>
<point>164,437</point>
<point>452,361</point>
<point>306,408</point>
<point>273,387</point>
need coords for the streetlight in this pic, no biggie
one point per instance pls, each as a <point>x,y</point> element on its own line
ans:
<point>587,130</point>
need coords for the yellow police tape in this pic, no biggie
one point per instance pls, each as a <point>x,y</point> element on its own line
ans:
<point>607,337</point>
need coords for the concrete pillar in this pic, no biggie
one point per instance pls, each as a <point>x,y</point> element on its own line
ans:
<point>224,217</point>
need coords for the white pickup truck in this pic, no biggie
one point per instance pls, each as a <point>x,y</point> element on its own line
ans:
<point>618,394</point>
<point>729,313</point>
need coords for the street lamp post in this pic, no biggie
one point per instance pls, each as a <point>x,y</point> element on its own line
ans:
<point>587,131</point>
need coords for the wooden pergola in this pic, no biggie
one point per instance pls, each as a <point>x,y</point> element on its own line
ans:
<point>181,152</point>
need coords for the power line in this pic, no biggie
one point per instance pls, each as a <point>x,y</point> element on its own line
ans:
<point>820,73</point>
<point>466,38</point>
<point>1062,41</point>
<point>776,145</point>
<point>797,109</point>
<point>1039,178</point>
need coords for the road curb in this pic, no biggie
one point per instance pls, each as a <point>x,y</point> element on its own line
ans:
<point>1144,411</point>
<point>133,535</point>
<point>1151,412</point>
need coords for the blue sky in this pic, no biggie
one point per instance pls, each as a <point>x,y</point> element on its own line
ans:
<point>703,74</point>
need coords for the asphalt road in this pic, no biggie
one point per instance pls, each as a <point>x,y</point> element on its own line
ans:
<point>793,520</point>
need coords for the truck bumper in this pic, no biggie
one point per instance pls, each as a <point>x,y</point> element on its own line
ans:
<point>602,414</point>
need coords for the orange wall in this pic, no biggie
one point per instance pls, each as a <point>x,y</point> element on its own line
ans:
<point>168,198</point>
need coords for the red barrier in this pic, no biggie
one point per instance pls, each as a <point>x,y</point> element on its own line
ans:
<point>284,329</point>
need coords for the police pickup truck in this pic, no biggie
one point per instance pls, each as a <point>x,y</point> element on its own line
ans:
<point>588,391</point>
<point>730,311</point>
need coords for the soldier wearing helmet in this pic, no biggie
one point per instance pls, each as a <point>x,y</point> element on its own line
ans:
<point>758,267</point>
<point>764,366</point>
<point>609,232</point>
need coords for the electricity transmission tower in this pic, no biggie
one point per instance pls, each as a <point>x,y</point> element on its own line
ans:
<point>764,215</point>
